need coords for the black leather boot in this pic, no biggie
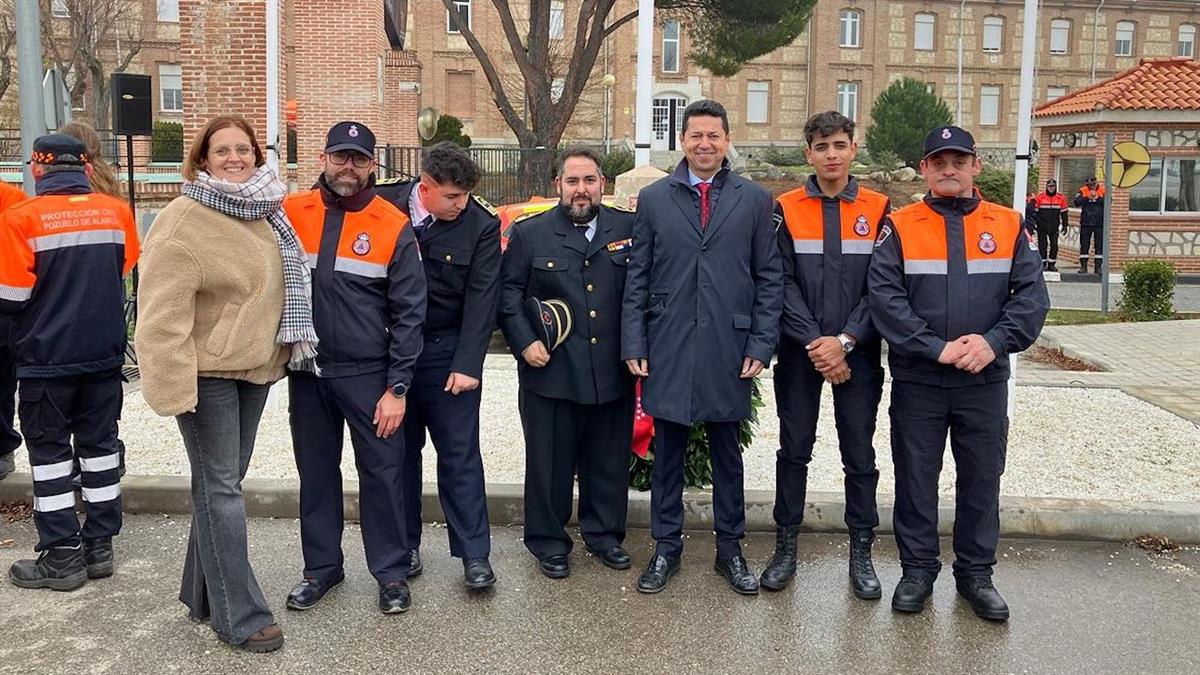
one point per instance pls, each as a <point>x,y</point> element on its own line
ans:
<point>984,598</point>
<point>61,569</point>
<point>863,580</point>
<point>98,556</point>
<point>782,567</point>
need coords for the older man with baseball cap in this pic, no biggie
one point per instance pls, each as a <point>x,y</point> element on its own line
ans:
<point>955,286</point>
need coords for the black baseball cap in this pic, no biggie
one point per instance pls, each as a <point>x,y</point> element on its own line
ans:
<point>59,149</point>
<point>350,136</point>
<point>949,138</point>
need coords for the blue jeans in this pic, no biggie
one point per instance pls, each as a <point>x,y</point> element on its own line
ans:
<point>218,583</point>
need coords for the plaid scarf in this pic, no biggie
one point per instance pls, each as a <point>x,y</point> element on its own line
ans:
<point>261,196</point>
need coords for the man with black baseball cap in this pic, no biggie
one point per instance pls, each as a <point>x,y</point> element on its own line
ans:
<point>1052,215</point>
<point>65,253</point>
<point>1090,200</point>
<point>368,290</point>
<point>955,286</point>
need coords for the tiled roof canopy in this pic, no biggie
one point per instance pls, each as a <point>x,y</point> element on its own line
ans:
<point>1153,84</point>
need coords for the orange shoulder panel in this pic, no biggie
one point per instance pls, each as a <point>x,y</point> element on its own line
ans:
<point>990,232</point>
<point>802,214</point>
<point>922,232</point>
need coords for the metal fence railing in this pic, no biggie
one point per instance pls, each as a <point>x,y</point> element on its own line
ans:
<point>510,174</point>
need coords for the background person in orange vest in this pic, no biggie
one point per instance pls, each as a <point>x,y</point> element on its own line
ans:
<point>1090,200</point>
<point>65,254</point>
<point>955,287</point>
<point>10,440</point>
<point>1051,217</point>
<point>826,234</point>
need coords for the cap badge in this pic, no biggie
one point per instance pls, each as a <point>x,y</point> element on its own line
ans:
<point>353,132</point>
<point>946,134</point>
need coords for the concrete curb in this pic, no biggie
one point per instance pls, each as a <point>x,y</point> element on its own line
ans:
<point>1051,342</point>
<point>1091,519</point>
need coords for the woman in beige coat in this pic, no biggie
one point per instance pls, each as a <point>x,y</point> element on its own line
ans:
<point>223,306</point>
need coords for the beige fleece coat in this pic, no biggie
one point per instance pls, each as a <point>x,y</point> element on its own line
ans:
<point>210,298</point>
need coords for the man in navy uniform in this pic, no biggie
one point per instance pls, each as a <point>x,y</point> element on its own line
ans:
<point>700,320</point>
<point>368,307</point>
<point>459,235</point>
<point>955,286</point>
<point>576,398</point>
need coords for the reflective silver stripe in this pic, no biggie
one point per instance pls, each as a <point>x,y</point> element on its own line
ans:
<point>924,266</point>
<point>360,267</point>
<point>858,246</point>
<point>48,242</point>
<point>15,293</point>
<point>105,463</point>
<point>58,502</point>
<point>102,494</point>
<point>52,471</point>
<point>808,246</point>
<point>312,260</point>
<point>989,266</point>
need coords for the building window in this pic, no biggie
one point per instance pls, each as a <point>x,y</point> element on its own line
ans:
<point>993,33</point>
<point>59,9</point>
<point>851,24</point>
<point>670,47</point>
<point>1123,44</point>
<point>168,11</point>
<point>1055,92</point>
<point>847,99</point>
<point>1172,186</point>
<point>1187,41</point>
<point>1060,36</point>
<point>463,7</point>
<point>556,19</point>
<point>923,31</point>
<point>989,105</point>
<point>1073,172</point>
<point>462,103</point>
<point>758,101</point>
<point>170,87</point>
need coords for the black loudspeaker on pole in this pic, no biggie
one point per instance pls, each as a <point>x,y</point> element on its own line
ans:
<point>132,116</point>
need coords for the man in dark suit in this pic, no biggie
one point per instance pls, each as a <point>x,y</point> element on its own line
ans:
<point>576,398</point>
<point>700,319</point>
<point>459,236</point>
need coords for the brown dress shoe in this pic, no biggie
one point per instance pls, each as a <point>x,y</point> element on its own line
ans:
<point>268,639</point>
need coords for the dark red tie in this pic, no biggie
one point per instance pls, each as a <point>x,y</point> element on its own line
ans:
<point>704,188</point>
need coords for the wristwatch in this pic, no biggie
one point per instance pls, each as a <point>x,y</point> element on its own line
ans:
<point>399,390</point>
<point>847,342</point>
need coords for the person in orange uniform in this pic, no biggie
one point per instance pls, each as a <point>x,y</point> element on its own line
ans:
<point>1052,217</point>
<point>10,440</point>
<point>63,258</point>
<point>826,234</point>
<point>955,286</point>
<point>368,311</point>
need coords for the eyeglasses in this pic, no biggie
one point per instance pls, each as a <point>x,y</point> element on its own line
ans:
<point>340,157</point>
<point>223,151</point>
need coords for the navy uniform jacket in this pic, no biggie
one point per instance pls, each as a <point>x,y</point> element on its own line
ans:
<point>462,272</point>
<point>825,244</point>
<point>948,267</point>
<point>368,289</point>
<point>548,258</point>
<point>699,300</point>
<point>1091,206</point>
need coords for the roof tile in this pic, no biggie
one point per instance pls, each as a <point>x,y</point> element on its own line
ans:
<point>1153,84</point>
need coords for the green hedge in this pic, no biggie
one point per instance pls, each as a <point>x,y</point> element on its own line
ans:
<point>166,145</point>
<point>1149,289</point>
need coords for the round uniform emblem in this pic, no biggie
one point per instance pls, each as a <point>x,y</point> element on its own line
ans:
<point>861,227</point>
<point>987,243</point>
<point>353,132</point>
<point>946,134</point>
<point>362,244</point>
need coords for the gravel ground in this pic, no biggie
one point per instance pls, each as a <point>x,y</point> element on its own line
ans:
<point>1066,442</point>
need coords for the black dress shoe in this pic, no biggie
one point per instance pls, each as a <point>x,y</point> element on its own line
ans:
<point>782,567</point>
<point>98,556</point>
<point>394,597</point>
<point>657,574</point>
<point>59,569</point>
<point>864,583</point>
<point>307,593</point>
<point>613,557</point>
<point>911,594</point>
<point>738,573</point>
<point>555,566</point>
<point>415,567</point>
<point>477,573</point>
<point>984,598</point>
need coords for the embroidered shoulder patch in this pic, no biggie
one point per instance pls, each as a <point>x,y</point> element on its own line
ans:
<point>778,218</point>
<point>884,233</point>
<point>621,207</point>
<point>397,180</point>
<point>484,203</point>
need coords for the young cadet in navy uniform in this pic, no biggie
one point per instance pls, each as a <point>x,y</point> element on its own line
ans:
<point>955,287</point>
<point>459,235</point>
<point>368,307</point>
<point>700,319</point>
<point>826,234</point>
<point>576,399</point>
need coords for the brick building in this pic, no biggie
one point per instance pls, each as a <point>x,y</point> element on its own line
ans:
<point>1156,103</point>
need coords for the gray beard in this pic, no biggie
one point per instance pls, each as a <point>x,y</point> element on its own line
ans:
<point>582,215</point>
<point>343,188</point>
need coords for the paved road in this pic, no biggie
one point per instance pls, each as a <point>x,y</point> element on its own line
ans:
<point>1075,295</point>
<point>1078,607</point>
